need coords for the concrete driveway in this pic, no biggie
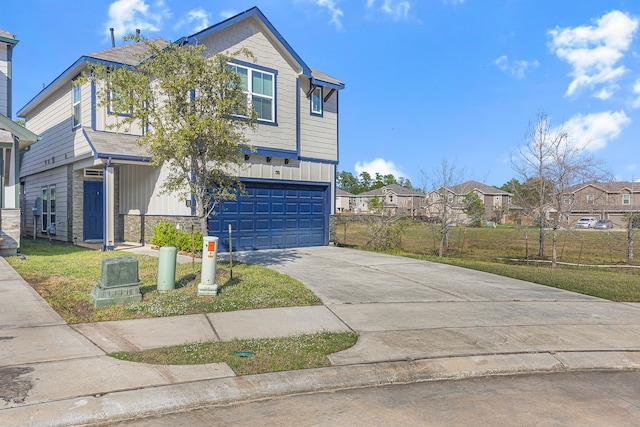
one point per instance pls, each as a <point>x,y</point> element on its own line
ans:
<point>408,309</point>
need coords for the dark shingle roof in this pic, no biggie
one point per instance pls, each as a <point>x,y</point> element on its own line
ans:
<point>107,144</point>
<point>129,54</point>
<point>469,186</point>
<point>340,192</point>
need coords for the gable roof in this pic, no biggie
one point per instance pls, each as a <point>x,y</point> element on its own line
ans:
<point>317,77</point>
<point>129,55</point>
<point>469,186</point>
<point>607,187</point>
<point>395,188</point>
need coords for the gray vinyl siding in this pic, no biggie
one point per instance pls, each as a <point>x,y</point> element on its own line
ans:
<point>247,34</point>
<point>60,143</point>
<point>33,189</point>
<point>318,135</point>
<point>4,87</point>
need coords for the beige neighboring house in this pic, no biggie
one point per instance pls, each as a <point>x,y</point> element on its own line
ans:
<point>89,184</point>
<point>602,200</point>
<point>497,202</point>
<point>13,139</point>
<point>396,198</point>
<point>345,201</point>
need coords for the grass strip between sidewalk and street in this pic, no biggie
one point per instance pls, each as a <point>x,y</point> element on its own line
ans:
<point>252,356</point>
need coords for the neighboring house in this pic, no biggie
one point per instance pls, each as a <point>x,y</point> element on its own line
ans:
<point>95,185</point>
<point>13,139</point>
<point>345,201</point>
<point>396,200</point>
<point>497,202</point>
<point>603,200</point>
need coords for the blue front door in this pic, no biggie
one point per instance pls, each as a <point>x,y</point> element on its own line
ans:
<point>92,207</point>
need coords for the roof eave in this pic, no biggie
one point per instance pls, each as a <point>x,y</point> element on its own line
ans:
<point>67,75</point>
<point>25,136</point>
<point>9,40</point>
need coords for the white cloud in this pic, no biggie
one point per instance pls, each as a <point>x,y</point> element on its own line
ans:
<point>198,19</point>
<point>125,16</point>
<point>594,131</point>
<point>636,91</point>
<point>332,8</point>
<point>381,166</point>
<point>593,51</point>
<point>398,10</point>
<point>517,67</point>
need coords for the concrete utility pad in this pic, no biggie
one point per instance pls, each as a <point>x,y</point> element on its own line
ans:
<point>274,323</point>
<point>142,334</point>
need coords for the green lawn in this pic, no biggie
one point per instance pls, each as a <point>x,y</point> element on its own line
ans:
<point>64,274</point>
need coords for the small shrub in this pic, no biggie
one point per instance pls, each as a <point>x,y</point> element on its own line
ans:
<point>166,234</point>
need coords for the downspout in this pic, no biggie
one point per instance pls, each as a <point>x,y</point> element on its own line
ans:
<point>104,204</point>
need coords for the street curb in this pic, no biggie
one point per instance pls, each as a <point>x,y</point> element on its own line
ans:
<point>128,404</point>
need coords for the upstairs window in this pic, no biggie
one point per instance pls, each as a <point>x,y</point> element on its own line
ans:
<point>259,86</point>
<point>567,199</point>
<point>450,197</point>
<point>316,101</point>
<point>626,199</point>
<point>76,105</point>
<point>589,198</point>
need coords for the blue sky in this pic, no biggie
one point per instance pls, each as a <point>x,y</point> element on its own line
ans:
<point>425,80</point>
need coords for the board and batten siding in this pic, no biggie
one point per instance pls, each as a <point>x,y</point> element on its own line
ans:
<point>4,85</point>
<point>247,34</point>
<point>318,135</point>
<point>33,186</point>
<point>141,192</point>
<point>60,143</point>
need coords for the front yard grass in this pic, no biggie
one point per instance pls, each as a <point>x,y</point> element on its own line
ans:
<point>64,275</point>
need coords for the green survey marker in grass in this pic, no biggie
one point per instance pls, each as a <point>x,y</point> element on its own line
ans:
<point>252,356</point>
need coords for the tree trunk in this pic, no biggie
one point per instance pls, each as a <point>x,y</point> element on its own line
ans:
<point>630,240</point>
<point>541,239</point>
<point>554,248</point>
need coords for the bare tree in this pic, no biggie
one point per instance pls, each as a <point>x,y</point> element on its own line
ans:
<point>441,203</point>
<point>550,161</point>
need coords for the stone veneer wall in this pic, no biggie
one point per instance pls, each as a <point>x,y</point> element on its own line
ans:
<point>137,228</point>
<point>10,232</point>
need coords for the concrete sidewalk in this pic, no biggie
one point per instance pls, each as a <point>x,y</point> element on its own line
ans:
<point>417,320</point>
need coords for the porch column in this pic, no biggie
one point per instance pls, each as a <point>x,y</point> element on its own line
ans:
<point>109,208</point>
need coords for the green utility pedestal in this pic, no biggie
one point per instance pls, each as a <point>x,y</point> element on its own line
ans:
<point>167,268</point>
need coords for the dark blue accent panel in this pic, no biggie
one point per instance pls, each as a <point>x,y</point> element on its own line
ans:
<point>274,215</point>
<point>92,217</point>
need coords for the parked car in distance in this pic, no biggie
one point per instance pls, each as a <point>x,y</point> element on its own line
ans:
<point>603,224</point>
<point>586,222</point>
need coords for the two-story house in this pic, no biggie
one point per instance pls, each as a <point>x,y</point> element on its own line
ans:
<point>13,139</point>
<point>603,200</point>
<point>96,185</point>
<point>395,198</point>
<point>497,203</point>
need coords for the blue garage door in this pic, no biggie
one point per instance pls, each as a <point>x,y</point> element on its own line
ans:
<point>273,216</point>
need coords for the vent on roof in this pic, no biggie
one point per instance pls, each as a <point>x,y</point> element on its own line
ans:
<point>93,173</point>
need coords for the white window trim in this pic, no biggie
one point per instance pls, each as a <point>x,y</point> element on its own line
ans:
<point>46,207</point>
<point>76,121</point>
<point>626,199</point>
<point>250,94</point>
<point>319,95</point>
